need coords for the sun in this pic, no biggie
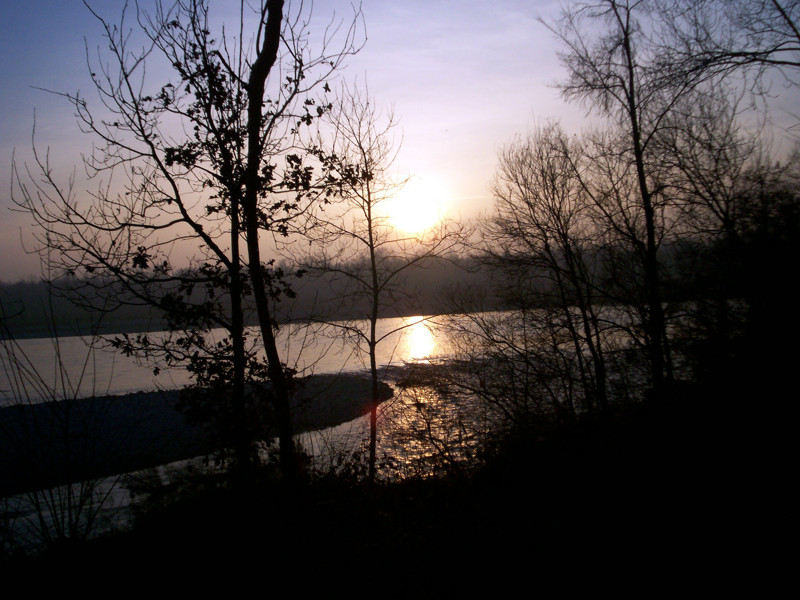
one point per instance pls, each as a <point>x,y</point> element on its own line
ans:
<point>418,206</point>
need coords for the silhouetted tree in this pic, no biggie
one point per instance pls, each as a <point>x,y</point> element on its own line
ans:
<point>544,234</point>
<point>206,162</point>
<point>354,243</point>
<point>744,297</point>
<point>612,69</point>
<point>708,38</point>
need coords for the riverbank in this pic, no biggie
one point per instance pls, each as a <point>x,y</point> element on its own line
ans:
<point>652,492</point>
<point>49,444</point>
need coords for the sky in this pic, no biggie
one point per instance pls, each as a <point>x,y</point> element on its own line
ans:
<point>463,78</point>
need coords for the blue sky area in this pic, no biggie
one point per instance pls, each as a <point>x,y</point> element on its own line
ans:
<point>463,78</point>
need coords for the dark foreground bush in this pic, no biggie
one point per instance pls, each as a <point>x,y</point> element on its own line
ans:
<point>632,489</point>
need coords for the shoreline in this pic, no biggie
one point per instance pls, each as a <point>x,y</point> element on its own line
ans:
<point>56,443</point>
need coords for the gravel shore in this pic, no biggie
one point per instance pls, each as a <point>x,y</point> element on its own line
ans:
<point>42,445</point>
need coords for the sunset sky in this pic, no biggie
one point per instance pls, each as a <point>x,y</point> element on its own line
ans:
<point>463,78</point>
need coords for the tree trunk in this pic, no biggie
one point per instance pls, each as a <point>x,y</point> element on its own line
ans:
<point>242,443</point>
<point>656,330</point>
<point>373,341</point>
<point>255,88</point>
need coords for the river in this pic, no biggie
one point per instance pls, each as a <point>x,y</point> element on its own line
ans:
<point>36,370</point>
<point>423,428</point>
<point>81,367</point>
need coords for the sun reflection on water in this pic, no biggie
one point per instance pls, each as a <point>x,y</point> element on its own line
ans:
<point>424,428</point>
<point>422,432</point>
<point>420,341</point>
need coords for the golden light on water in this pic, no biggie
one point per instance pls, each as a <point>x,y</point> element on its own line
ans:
<point>420,341</point>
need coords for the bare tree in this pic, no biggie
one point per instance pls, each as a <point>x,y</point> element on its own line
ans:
<point>206,163</point>
<point>716,37</point>
<point>544,233</point>
<point>613,69</point>
<point>354,244</point>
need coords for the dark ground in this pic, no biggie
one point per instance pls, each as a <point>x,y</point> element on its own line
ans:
<point>655,500</point>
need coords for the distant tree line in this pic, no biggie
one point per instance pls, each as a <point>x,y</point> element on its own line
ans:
<point>425,287</point>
